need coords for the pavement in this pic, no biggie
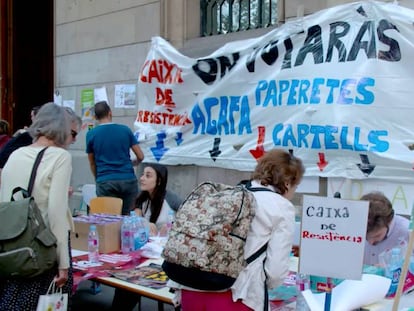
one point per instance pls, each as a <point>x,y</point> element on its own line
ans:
<point>84,299</point>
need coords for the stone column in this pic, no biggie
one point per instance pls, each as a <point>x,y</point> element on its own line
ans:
<point>181,21</point>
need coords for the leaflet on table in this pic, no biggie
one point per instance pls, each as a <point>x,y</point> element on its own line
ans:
<point>86,264</point>
<point>117,259</point>
<point>152,250</point>
<point>77,252</point>
<point>351,294</point>
<point>98,218</point>
<point>150,276</point>
<point>285,291</point>
<point>110,261</point>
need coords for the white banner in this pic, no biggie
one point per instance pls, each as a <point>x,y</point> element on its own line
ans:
<point>336,88</point>
<point>401,195</point>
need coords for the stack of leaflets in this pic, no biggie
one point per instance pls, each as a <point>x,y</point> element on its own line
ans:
<point>150,276</point>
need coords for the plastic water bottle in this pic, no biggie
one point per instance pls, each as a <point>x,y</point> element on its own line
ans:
<point>134,229</point>
<point>394,270</point>
<point>141,232</point>
<point>302,283</point>
<point>93,245</point>
<point>126,236</point>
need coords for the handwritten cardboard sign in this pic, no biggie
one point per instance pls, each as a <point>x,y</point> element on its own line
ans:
<point>333,237</point>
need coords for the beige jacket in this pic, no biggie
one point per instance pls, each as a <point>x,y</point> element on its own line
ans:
<point>50,189</point>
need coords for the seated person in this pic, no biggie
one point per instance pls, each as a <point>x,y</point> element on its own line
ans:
<point>385,230</point>
<point>154,202</point>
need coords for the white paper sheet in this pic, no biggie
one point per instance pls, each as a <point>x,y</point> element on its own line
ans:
<point>77,253</point>
<point>351,294</point>
<point>152,250</point>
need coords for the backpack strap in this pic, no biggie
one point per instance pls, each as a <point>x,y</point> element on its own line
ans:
<point>256,254</point>
<point>266,292</point>
<point>253,257</point>
<point>248,185</point>
<point>34,170</point>
<point>28,192</point>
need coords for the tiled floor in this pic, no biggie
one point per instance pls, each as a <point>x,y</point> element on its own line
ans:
<point>85,300</point>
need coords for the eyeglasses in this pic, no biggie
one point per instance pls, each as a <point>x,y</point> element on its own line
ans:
<point>73,133</point>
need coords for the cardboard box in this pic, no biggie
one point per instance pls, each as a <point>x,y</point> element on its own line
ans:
<point>109,234</point>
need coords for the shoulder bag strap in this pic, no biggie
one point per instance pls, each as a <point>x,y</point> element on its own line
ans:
<point>248,185</point>
<point>261,250</point>
<point>34,170</point>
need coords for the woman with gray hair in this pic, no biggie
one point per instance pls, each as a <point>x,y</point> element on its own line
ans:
<point>52,129</point>
<point>76,123</point>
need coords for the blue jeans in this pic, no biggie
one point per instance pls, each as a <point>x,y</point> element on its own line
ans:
<point>127,190</point>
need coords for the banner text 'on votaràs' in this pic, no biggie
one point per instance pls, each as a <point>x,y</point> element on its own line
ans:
<point>312,85</point>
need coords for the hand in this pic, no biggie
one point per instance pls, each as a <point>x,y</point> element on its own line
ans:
<point>61,278</point>
<point>153,229</point>
<point>164,230</point>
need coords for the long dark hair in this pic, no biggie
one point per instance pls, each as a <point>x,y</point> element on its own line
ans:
<point>158,196</point>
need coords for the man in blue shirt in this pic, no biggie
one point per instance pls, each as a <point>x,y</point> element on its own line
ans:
<point>108,147</point>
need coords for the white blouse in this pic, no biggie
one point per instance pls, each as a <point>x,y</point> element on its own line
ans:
<point>274,223</point>
<point>162,218</point>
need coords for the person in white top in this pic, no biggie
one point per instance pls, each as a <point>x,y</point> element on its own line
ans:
<point>51,128</point>
<point>155,203</point>
<point>274,224</point>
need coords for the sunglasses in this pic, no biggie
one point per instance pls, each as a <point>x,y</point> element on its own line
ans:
<point>73,133</point>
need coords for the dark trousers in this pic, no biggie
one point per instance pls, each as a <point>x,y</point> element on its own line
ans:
<point>124,300</point>
<point>127,190</point>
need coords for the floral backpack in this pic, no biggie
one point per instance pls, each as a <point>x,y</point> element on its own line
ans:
<point>205,247</point>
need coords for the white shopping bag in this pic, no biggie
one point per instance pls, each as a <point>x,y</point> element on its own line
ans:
<point>54,300</point>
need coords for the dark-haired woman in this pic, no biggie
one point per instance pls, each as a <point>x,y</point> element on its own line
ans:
<point>155,203</point>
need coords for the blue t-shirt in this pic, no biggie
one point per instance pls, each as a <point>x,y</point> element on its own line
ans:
<point>111,143</point>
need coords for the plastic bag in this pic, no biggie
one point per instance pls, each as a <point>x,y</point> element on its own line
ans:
<point>54,300</point>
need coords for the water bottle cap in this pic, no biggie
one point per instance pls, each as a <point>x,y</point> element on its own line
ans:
<point>92,227</point>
